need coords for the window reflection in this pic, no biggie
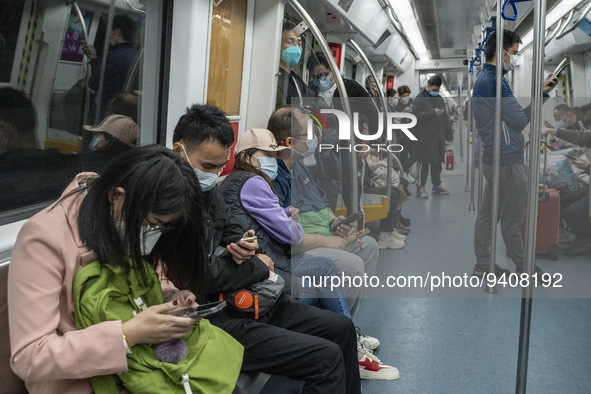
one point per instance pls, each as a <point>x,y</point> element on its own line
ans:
<point>52,128</point>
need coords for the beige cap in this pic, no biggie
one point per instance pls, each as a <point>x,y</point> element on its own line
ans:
<point>261,139</point>
<point>121,127</point>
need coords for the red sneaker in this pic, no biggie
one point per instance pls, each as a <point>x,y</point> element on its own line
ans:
<point>370,367</point>
<point>439,190</point>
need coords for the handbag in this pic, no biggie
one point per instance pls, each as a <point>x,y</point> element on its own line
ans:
<point>256,300</point>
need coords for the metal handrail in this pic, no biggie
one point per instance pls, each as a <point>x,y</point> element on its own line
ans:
<point>342,91</point>
<point>99,94</point>
<point>532,202</point>
<point>496,147</point>
<point>387,7</point>
<point>576,23</point>
<point>358,49</point>
<point>559,25</point>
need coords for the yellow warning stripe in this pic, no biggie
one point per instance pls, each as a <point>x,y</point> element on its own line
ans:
<point>28,46</point>
<point>563,80</point>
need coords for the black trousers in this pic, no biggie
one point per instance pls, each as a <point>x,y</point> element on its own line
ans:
<point>301,342</point>
<point>388,223</point>
<point>424,172</point>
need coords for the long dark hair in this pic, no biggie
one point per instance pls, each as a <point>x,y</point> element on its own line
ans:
<point>155,180</point>
<point>242,163</point>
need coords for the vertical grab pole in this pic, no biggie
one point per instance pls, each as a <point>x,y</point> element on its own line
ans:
<point>471,144</point>
<point>461,123</point>
<point>497,145</point>
<point>384,114</point>
<point>101,89</point>
<point>468,152</point>
<point>532,203</point>
<point>342,91</point>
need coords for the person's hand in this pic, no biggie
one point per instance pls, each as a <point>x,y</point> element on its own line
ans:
<point>243,250</point>
<point>548,130</point>
<point>580,163</point>
<point>185,298</point>
<point>89,50</point>
<point>293,213</point>
<point>549,83</point>
<point>267,261</point>
<point>157,325</point>
<point>335,243</point>
<point>380,183</point>
<point>408,109</point>
<point>344,229</point>
<point>439,111</point>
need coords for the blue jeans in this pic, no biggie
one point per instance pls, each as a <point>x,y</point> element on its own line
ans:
<point>319,293</point>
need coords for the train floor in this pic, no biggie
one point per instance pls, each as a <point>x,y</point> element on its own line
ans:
<point>463,340</point>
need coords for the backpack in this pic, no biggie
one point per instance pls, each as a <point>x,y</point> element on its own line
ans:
<point>256,300</point>
<point>103,292</point>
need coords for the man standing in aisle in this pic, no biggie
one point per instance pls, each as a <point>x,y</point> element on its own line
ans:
<point>432,131</point>
<point>513,178</point>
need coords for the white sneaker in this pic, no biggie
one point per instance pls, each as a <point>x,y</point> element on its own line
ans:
<point>370,367</point>
<point>368,342</point>
<point>387,241</point>
<point>398,235</point>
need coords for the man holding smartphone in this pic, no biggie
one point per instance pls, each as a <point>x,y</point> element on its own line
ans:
<point>292,339</point>
<point>513,177</point>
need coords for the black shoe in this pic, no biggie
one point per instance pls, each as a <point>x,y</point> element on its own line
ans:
<point>543,279</point>
<point>405,221</point>
<point>579,248</point>
<point>498,272</point>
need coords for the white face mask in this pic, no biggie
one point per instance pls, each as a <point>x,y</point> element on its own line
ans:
<point>512,62</point>
<point>148,238</point>
<point>404,100</point>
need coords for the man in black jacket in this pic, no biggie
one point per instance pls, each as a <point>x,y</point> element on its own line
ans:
<point>295,340</point>
<point>432,130</point>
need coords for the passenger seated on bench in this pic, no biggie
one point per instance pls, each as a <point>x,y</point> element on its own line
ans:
<point>102,218</point>
<point>576,214</point>
<point>295,187</point>
<point>249,195</point>
<point>392,232</point>
<point>295,340</point>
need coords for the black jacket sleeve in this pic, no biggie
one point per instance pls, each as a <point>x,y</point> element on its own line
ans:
<point>226,275</point>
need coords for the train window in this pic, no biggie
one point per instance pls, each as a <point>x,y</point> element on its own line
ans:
<point>226,55</point>
<point>10,19</point>
<point>74,103</point>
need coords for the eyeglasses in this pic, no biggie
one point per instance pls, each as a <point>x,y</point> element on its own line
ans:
<point>157,227</point>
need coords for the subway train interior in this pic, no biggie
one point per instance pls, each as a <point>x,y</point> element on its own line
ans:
<point>447,319</point>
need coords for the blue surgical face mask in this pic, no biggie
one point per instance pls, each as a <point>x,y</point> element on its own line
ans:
<point>323,84</point>
<point>434,94</point>
<point>291,56</point>
<point>561,124</point>
<point>312,145</point>
<point>268,166</point>
<point>207,180</point>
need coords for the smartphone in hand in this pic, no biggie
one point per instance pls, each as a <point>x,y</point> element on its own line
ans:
<point>225,253</point>
<point>350,219</point>
<point>202,310</point>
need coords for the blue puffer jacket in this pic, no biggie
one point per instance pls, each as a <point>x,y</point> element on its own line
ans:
<point>514,118</point>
